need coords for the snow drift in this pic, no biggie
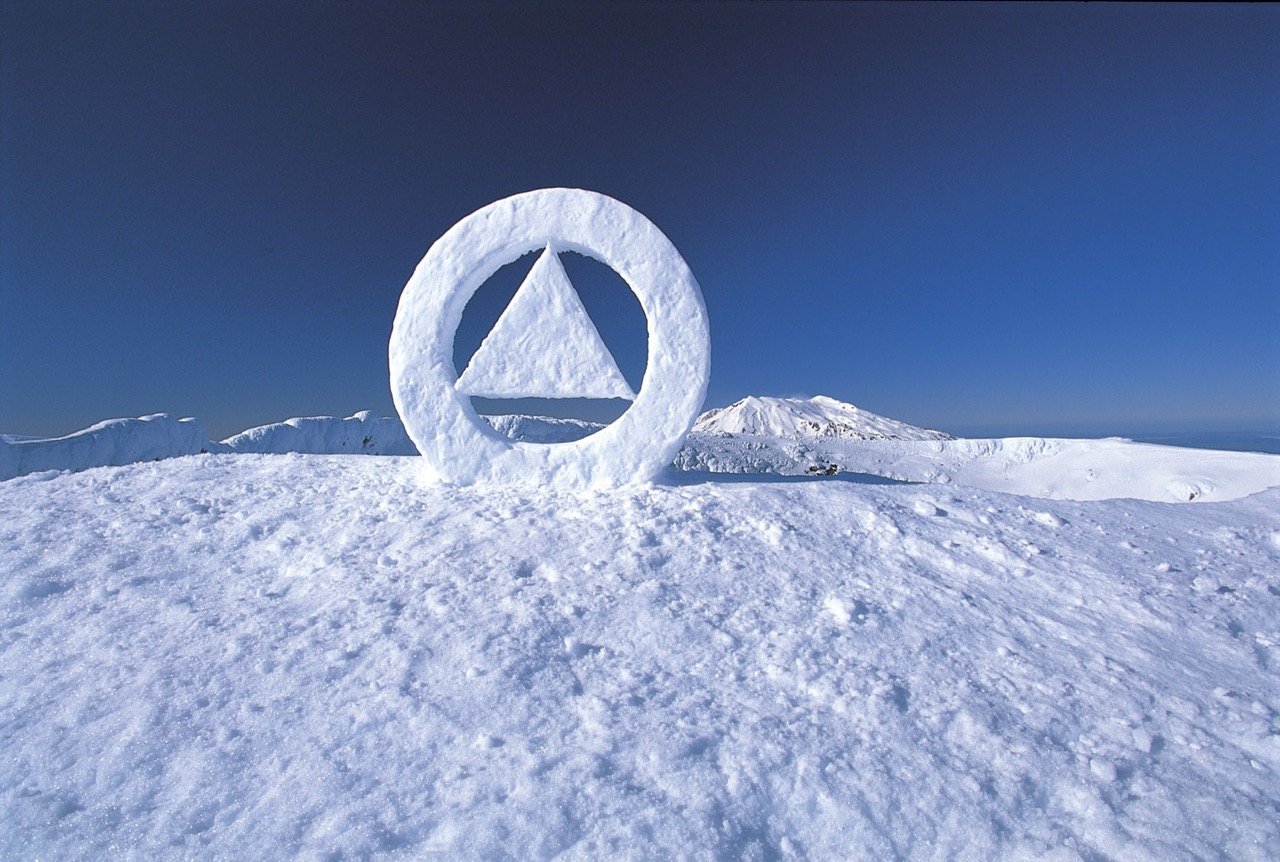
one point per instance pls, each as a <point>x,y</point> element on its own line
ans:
<point>542,429</point>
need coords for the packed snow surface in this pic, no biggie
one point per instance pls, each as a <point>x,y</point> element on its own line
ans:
<point>300,656</point>
<point>819,416</point>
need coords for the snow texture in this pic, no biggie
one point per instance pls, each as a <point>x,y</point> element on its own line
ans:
<point>544,345</point>
<point>819,416</point>
<point>318,657</point>
<point>457,446</point>
<point>111,443</point>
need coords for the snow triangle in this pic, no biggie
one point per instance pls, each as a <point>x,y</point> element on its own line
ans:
<point>544,345</point>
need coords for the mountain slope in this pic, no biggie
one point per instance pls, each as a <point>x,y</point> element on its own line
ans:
<point>819,416</point>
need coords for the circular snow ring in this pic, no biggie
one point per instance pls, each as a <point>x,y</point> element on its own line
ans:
<point>454,440</point>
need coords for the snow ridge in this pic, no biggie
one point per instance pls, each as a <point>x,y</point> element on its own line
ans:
<point>362,433</point>
<point>111,443</point>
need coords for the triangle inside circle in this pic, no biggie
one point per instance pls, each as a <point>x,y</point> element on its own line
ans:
<point>544,345</point>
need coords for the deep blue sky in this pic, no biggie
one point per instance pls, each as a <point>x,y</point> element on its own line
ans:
<point>1053,219</point>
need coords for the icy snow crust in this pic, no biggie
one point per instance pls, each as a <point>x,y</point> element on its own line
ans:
<point>456,445</point>
<point>240,656</point>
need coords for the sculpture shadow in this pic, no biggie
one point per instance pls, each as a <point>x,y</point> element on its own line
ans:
<point>681,478</point>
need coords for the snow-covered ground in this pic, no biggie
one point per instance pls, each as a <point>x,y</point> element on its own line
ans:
<point>302,656</point>
<point>117,442</point>
<point>885,643</point>
<point>1034,466</point>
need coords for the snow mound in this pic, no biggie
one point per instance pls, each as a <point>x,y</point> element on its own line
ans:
<point>113,442</point>
<point>819,416</point>
<point>362,433</point>
<point>251,657</point>
<point>1057,469</point>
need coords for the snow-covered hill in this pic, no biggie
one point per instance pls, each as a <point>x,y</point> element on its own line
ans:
<point>819,416</point>
<point>114,442</point>
<point>304,656</point>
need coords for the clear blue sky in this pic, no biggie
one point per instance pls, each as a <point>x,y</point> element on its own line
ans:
<point>1040,218</point>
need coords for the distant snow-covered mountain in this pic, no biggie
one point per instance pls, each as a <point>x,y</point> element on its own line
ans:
<point>819,416</point>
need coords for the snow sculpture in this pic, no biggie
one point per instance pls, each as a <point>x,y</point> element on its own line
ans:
<point>544,344</point>
<point>512,363</point>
